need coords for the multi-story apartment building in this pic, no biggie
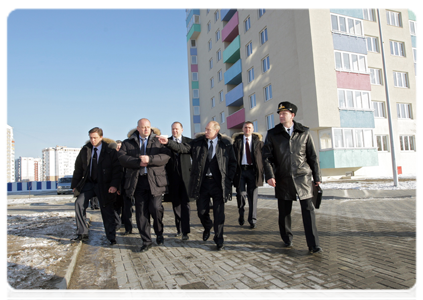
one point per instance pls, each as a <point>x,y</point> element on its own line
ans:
<point>58,161</point>
<point>328,62</point>
<point>28,169</point>
<point>10,153</point>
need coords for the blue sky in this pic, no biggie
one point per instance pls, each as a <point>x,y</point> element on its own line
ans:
<point>71,70</point>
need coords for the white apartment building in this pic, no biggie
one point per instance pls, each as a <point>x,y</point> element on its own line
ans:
<point>58,161</point>
<point>28,169</point>
<point>10,152</point>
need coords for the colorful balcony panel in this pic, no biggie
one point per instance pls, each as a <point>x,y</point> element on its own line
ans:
<point>348,158</point>
<point>235,96</point>
<point>194,32</point>
<point>353,81</point>
<point>230,31</point>
<point>349,43</point>
<point>196,119</point>
<point>236,120</point>
<point>354,13</point>
<point>226,14</point>
<point>234,74</point>
<point>232,53</point>
<point>191,14</point>
<point>194,85</point>
<point>357,119</point>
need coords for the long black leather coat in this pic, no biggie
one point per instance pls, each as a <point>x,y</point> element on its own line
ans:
<point>198,149</point>
<point>292,161</point>
<point>129,157</point>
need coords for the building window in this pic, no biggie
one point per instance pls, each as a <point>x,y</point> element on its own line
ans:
<point>213,102</point>
<point>255,125</point>
<point>253,101</point>
<point>401,79</point>
<point>415,60</point>
<point>219,75</point>
<point>195,93</point>
<point>196,110</point>
<point>261,12</point>
<point>212,83</point>
<point>416,55</point>
<point>210,45</point>
<point>407,143</point>
<point>249,48</point>
<point>216,16</point>
<point>266,64</point>
<point>270,123</point>
<point>350,99</point>
<point>221,96</point>
<point>413,27</point>
<point>404,111</point>
<point>350,62</point>
<point>222,117</point>
<point>211,63</point>
<point>372,44</point>
<point>369,14</point>
<point>325,137</point>
<point>397,48</point>
<point>193,43</point>
<point>379,109</point>
<point>263,36</point>
<point>353,138</point>
<point>194,59</point>
<point>268,92</point>
<point>382,143</point>
<point>346,25</point>
<point>197,127</point>
<point>247,24</point>
<point>217,35</point>
<point>208,27</point>
<point>194,76</point>
<point>393,18</point>
<point>214,118</point>
<point>250,74</point>
<point>219,55</point>
<point>375,76</point>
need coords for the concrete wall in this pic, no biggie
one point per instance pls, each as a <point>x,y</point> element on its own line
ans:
<point>31,186</point>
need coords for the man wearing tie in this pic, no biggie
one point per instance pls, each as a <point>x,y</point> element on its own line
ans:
<point>144,158</point>
<point>178,170</point>
<point>97,174</point>
<point>249,172</point>
<point>213,169</point>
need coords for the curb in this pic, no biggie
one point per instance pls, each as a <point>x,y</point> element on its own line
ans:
<point>64,284</point>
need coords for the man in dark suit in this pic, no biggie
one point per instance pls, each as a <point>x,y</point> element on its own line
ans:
<point>97,174</point>
<point>249,172</point>
<point>178,170</point>
<point>144,158</point>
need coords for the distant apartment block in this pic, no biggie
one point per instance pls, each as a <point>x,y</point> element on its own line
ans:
<point>58,161</point>
<point>243,62</point>
<point>10,155</point>
<point>28,169</point>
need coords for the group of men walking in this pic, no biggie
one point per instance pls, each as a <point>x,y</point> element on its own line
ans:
<point>147,166</point>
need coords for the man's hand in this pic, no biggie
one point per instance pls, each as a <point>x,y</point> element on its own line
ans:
<point>145,159</point>
<point>317,183</point>
<point>112,189</point>
<point>272,182</point>
<point>163,140</point>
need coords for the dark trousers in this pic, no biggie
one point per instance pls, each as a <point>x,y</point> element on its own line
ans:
<point>89,191</point>
<point>309,221</point>
<point>211,189</point>
<point>127,213</point>
<point>147,206</point>
<point>247,191</point>
<point>181,209</point>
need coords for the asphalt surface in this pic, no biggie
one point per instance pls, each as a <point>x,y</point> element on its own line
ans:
<point>368,240</point>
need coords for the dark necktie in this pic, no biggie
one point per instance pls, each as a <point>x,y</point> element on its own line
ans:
<point>94,166</point>
<point>288,130</point>
<point>209,155</point>
<point>247,151</point>
<point>144,169</point>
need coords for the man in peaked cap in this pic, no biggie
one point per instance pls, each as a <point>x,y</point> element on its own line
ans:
<point>290,148</point>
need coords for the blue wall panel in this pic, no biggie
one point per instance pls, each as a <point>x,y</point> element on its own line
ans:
<point>354,13</point>
<point>196,119</point>
<point>196,102</point>
<point>348,43</point>
<point>193,51</point>
<point>357,119</point>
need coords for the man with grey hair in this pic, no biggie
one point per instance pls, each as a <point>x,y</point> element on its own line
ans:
<point>212,172</point>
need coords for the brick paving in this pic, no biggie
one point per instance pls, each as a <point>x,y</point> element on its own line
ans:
<point>368,244</point>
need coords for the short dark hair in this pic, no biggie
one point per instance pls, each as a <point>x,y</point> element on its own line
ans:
<point>248,122</point>
<point>96,129</point>
<point>118,142</point>
<point>176,122</point>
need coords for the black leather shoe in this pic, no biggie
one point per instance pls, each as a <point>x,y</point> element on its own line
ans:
<point>178,234</point>
<point>112,242</point>
<point>220,247</point>
<point>145,248</point>
<point>252,226</point>
<point>127,232</point>
<point>241,220</point>
<point>206,235</point>
<point>288,245</point>
<point>80,237</point>
<point>315,250</point>
<point>185,237</point>
<point>160,240</point>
